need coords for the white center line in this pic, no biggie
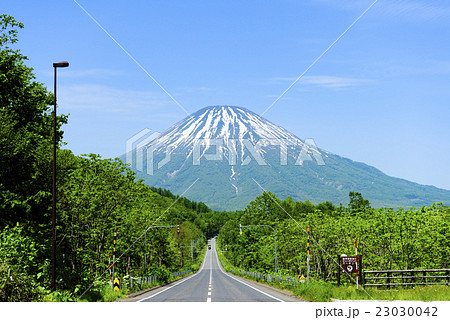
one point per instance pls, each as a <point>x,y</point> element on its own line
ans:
<point>210,277</point>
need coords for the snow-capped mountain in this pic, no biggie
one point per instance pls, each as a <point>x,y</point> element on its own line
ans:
<point>235,131</point>
<point>232,154</point>
<point>225,122</point>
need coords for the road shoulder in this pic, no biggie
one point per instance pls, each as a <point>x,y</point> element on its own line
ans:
<point>136,296</point>
<point>285,295</point>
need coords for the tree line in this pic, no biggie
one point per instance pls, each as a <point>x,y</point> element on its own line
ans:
<point>387,238</point>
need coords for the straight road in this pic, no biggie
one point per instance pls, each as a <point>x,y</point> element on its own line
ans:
<point>213,284</point>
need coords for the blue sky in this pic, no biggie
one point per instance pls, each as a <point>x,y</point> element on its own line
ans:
<point>381,95</point>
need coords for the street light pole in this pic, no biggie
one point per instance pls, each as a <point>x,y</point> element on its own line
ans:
<point>62,64</point>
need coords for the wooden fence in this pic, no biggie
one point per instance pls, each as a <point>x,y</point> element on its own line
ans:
<point>388,278</point>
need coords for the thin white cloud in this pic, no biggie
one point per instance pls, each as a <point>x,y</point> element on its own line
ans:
<point>408,67</point>
<point>335,82</point>
<point>86,73</point>
<point>108,99</point>
<point>327,81</point>
<point>422,10</point>
<point>197,90</point>
<point>418,10</point>
<point>344,4</point>
<point>92,73</point>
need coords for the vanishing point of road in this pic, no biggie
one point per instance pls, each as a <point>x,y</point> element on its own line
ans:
<point>212,284</point>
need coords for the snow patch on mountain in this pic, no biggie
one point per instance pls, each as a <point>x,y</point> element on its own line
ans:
<point>231,124</point>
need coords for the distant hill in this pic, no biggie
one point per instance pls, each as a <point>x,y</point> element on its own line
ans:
<point>231,150</point>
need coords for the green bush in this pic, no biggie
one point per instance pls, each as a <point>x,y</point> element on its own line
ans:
<point>20,273</point>
<point>59,296</point>
<point>163,275</point>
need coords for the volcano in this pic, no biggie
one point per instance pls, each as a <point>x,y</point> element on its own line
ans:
<point>234,154</point>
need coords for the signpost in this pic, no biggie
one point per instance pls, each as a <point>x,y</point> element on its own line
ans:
<point>349,264</point>
<point>346,265</point>
<point>116,284</point>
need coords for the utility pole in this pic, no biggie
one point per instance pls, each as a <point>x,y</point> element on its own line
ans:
<point>145,253</point>
<point>114,258</point>
<point>308,266</point>
<point>356,254</point>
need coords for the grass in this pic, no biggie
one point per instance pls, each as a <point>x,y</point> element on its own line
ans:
<point>102,292</point>
<point>321,291</point>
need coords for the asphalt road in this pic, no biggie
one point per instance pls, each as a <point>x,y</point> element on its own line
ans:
<point>213,284</point>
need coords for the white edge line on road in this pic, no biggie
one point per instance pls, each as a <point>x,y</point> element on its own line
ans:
<point>201,269</point>
<point>210,270</point>
<point>223,271</point>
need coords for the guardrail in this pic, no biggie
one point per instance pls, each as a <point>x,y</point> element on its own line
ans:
<point>406,277</point>
<point>180,273</point>
<point>272,278</point>
<point>129,282</point>
<point>292,281</point>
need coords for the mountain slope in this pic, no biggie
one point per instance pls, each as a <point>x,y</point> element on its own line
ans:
<point>233,152</point>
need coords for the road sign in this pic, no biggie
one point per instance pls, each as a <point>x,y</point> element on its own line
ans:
<point>301,278</point>
<point>349,264</point>
<point>116,284</point>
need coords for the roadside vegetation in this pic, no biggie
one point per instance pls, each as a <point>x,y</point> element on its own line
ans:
<point>387,238</point>
<point>416,238</point>
<point>323,291</point>
<point>319,290</point>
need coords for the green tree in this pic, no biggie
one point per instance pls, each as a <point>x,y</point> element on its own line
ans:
<point>357,202</point>
<point>25,160</point>
<point>25,135</point>
<point>387,238</point>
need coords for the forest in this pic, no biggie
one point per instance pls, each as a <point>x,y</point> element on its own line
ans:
<point>387,238</point>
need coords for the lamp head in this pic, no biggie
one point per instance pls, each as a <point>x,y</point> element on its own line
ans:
<point>62,64</point>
